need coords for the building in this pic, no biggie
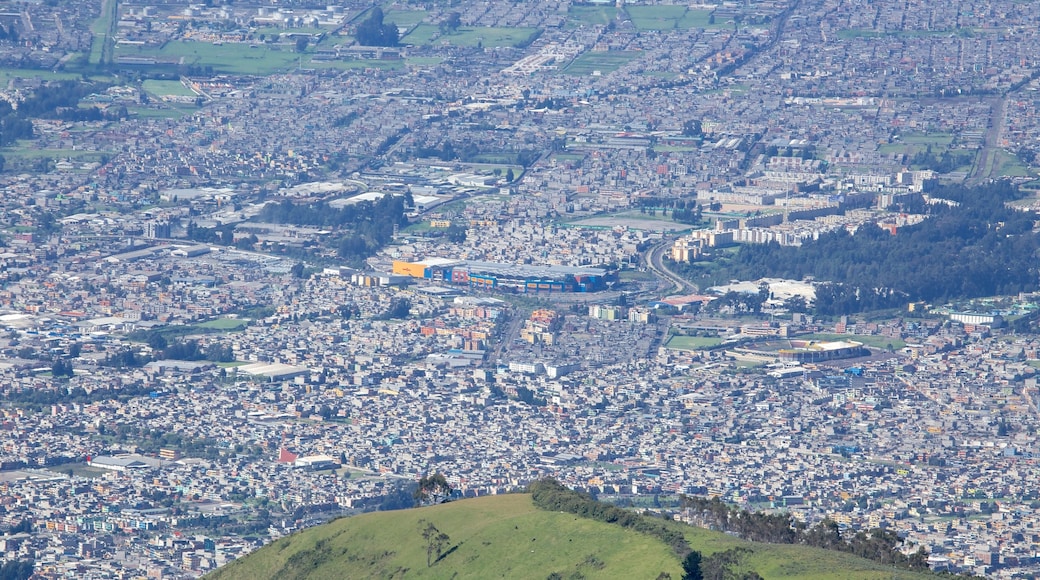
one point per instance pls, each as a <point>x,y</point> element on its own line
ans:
<point>493,275</point>
<point>804,351</point>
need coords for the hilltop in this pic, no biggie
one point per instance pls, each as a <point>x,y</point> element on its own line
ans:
<point>508,537</point>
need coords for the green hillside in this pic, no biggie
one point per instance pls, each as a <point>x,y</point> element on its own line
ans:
<point>508,537</point>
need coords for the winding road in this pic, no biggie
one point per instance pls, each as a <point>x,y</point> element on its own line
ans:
<point>654,258</point>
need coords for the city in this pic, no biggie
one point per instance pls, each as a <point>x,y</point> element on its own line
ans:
<point>257,274</point>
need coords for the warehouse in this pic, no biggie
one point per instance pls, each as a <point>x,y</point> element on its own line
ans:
<point>517,277</point>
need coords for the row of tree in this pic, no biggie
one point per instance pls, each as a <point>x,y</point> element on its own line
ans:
<point>878,545</point>
<point>974,246</point>
<point>551,495</point>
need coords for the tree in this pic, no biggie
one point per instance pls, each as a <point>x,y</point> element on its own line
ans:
<point>432,489</point>
<point>436,541</point>
<point>692,128</point>
<point>691,566</point>
<point>374,32</point>
<point>301,44</point>
<point>510,176</point>
<point>451,23</point>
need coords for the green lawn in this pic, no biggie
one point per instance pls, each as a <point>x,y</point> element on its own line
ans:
<point>225,324</point>
<point>168,111</point>
<point>490,537</point>
<point>591,15</point>
<point>7,74</point>
<point>101,44</point>
<point>167,88</point>
<point>672,17</point>
<point>404,18</point>
<point>358,64</point>
<point>425,34</point>
<point>507,537</point>
<point>27,154</point>
<point>692,342</point>
<point>604,62</point>
<point>871,341</point>
<point>79,470</point>
<point>233,58</point>
<point>1009,165</point>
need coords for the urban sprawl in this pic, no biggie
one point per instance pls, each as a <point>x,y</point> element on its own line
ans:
<point>208,341</point>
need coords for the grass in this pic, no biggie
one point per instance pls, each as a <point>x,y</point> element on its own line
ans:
<point>78,470</point>
<point>7,74</point>
<point>404,18</point>
<point>603,62</point>
<point>591,15</point>
<point>232,58</point>
<point>491,537</point>
<point>358,64</point>
<point>167,88</point>
<point>427,34</point>
<point>671,17</point>
<point>225,324</point>
<point>507,537</point>
<point>424,60</point>
<point>871,341</point>
<point>169,111</point>
<point>101,44</point>
<point>692,342</point>
<point>27,154</point>
<point>1009,165</point>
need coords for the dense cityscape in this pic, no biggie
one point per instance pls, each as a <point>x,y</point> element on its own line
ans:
<point>267,264</point>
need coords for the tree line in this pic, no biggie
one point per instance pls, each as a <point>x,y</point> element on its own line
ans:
<point>551,495</point>
<point>975,246</point>
<point>879,545</point>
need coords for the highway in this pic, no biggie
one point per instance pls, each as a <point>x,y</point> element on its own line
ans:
<point>654,258</point>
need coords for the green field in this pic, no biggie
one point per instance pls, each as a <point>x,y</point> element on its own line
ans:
<point>671,17</point>
<point>692,342</point>
<point>1009,165</point>
<point>232,58</point>
<point>507,537</point>
<point>358,64</point>
<point>492,537</point>
<point>591,15</point>
<point>101,43</point>
<point>167,88</point>
<point>225,324</point>
<point>168,111</point>
<point>868,340</point>
<point>7,74</point>
<point>604,62</point>
<point>426,34</point>
<point>404,18</point>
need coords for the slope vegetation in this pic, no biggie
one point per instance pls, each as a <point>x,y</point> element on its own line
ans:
<point>508,537</point>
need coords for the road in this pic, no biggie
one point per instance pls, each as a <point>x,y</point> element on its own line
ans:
<point>988,163</point>
<point>654,258</point>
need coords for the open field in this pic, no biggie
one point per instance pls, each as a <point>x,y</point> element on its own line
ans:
<point>632,219</point>
<point>491,537</point>
<point>100,46</point>
<point>404,18</point>
<point>471,36</point>
<point>602,62</point>
<point>868,340</point>
<point>692,342</point>
<point>225,324</point>
<point>672,17</point>
<point>591,15</point>
<point>167,88</point>
<point>233,58</point>
<point>507,537</point>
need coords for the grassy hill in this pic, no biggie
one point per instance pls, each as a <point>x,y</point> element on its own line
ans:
<point>508,537</point>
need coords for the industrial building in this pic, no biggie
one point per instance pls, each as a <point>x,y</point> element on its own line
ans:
<point>518,277</point>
